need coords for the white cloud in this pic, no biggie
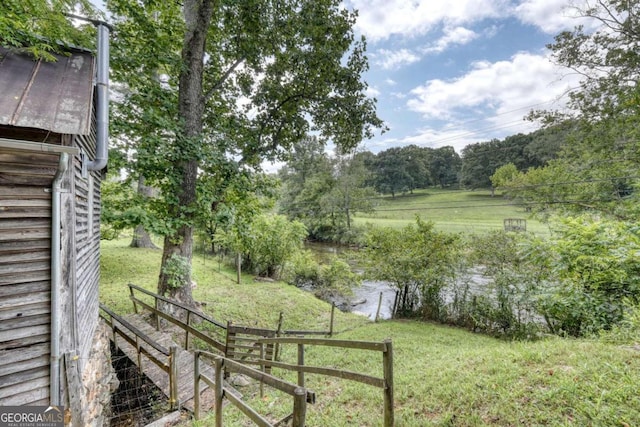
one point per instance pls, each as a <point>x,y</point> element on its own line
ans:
<point>506,88</point>
<point>389,59</point>
<point>380,19</point>
<point>551,16</point>
<point>372,92</point>
<point>390,82</point>
<point>452,36</point>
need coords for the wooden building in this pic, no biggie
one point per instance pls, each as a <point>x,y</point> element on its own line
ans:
<point>50,174</point>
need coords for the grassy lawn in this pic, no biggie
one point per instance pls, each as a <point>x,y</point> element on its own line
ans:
<point>451,210</point>
<point>443,376</point>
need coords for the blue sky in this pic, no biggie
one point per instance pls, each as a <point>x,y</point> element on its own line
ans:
<point>462,71</point>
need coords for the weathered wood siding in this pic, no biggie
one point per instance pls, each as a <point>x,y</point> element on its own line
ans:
<point>25,272</point>
<point>86,195</point>
<point>25,232</point>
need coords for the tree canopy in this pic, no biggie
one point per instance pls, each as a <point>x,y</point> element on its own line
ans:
<point>212,88</point>
<point>43,27</point>
<point>597,170</point>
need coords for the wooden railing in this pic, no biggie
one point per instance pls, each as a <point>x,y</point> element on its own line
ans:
<point>261,349</point>
<point>189,313</point>
<point>171,367</point>
<point>385,383</point>
<point>191,316</point>
<point>301,396</point>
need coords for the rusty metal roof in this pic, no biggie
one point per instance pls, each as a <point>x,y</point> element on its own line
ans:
<point>55,96</point>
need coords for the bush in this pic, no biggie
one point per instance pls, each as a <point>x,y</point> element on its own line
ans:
<point>266,244</point>
<point>627,331</point>
<point>513,269</point>
<point>596,269</point>
<point>419,261</point>
<point>302,270</point>
<point>331,281</point>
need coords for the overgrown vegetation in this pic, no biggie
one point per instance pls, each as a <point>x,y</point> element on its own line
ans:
<point>443,375</point>
<point>579,281</point>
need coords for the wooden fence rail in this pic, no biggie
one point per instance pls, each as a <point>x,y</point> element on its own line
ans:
<point>301,396</point>
<point>386,382</point>
<point>186,326</point>
<point>191,314</point>
<point>171,367</point>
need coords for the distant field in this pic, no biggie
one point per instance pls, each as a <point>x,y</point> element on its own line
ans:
<point>450,210</point>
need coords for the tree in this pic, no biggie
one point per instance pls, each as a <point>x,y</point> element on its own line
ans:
<point>504,175</point>
<point>307,177</point>
<point>596,272</point>
<point>599,166</point>
<point>444,166</point>
<point>419,261</point>
<point>350,193</point>
<point>392,172</point>
<point>296,65</point>
<point>324,192</point>
<point>478,164</point>
<point>43,27</point>
<point>273,241</point>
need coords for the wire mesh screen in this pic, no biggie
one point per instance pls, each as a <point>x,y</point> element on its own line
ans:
<point>137,401</point>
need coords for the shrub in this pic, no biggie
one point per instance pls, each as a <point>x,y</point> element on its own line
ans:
<point>419,261</point>
<point>596,268</point>
<point>513,269</point>
<point>333,280</point>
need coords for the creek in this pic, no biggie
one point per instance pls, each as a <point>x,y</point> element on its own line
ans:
<point>365,298</point>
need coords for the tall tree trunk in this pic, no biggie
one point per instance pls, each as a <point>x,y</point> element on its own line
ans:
<point>197,14</point>
<point>141,237</point>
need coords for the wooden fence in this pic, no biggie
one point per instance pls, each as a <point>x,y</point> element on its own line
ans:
<point>190,314</point>
<point>301,396</point>
<point>261,348</point>
<point>385,383</point>
<point>170,367</point>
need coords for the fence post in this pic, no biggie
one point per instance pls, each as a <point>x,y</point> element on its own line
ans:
<point>135,306</point>
<point>196,385</point>
<point>139,355</point>
<point>186,339</point>
<point>299,407</point>
<point>276,350</point>
<point>173,378</point>
<point>301,363</point>
<point>218,390</point>
<point>379,305</point>
<point>395,305</point>
<point>226,347</point>
<point>387,362</point>
<point>156,314</point>
<point>333,311</point>
<point>114,331</point>
<point>262,368</point>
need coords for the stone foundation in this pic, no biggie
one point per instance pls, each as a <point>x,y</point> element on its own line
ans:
<point>98,382</point>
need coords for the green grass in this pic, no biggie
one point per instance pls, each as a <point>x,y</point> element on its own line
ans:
<point>450,210</point>
<point>443,376</point>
